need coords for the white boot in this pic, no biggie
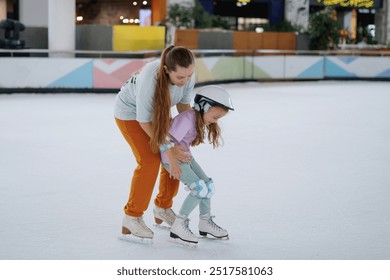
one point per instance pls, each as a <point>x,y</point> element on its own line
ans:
<point>164,215</point>
<point>207,226</point>
<point>136,226</point>
<point>181,231</point>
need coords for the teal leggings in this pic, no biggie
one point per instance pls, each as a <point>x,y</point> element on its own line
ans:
<point>192,172</point>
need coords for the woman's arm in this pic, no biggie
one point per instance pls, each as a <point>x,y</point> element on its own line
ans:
<point>147,127</point>
<point>177,152</point>
<point>181,107</point>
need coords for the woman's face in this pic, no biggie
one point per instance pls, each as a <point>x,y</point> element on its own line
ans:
<point>181,76</point>
<point>213,115</point>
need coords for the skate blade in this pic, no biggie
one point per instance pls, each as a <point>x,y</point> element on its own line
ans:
<point>212,237</point>
<point>183,243</point>
<point>135,239</point>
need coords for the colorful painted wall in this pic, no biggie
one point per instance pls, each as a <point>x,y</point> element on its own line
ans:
<point>88,73</point>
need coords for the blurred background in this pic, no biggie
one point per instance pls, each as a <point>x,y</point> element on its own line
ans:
<point>264,39</point>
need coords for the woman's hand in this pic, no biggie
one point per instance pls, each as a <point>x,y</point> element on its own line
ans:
<point>178,153</point>
<point>174,168</point>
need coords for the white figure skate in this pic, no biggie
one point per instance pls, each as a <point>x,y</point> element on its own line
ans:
<point>207,226</point>
<point>164,215</point>
<point>135,229</point>
<point>181,233</point>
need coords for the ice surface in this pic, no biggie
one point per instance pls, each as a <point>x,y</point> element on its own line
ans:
<point>304,174</point>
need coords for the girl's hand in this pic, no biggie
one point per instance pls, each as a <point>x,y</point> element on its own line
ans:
<point>178,152</point>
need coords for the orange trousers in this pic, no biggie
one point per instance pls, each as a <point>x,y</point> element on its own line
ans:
<point>145,175</point>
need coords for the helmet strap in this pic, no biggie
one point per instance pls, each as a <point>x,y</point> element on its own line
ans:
<point>202,106</point>
<point>206,107</point>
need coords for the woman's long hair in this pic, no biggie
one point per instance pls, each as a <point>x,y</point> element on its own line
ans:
<point>213,132</point>
<point>171,58</point>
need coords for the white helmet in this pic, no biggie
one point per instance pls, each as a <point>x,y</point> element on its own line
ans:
<point>210,96</point>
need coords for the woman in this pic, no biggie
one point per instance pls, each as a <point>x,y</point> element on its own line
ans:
<point>142,113</point>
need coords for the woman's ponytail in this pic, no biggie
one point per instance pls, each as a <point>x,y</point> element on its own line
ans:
<point>171,58</point>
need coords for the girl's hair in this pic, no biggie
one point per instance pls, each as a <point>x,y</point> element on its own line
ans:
<point>213,131</point>
<point>171,58</point>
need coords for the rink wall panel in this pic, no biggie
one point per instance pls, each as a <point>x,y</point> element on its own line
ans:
<point>46,72</point>
<point>304,67</point>
<point>25,72</point>
<point>367,67</point>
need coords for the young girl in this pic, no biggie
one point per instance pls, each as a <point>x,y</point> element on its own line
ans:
<point>187,129</point>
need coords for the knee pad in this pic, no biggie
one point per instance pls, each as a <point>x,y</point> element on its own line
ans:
<point>210,188</point>
<point>198,189</point>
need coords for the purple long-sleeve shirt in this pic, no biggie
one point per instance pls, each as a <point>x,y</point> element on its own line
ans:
<point>183,131</point>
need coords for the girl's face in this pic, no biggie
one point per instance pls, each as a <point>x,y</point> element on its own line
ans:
<point>181,76</point>
<point>214,114</point>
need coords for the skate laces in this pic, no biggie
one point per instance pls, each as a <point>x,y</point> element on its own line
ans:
<point>141,223</point>
<point>185,226</point>
<point>212,224</point>
<point>168,214</point>
<point>169,211</point>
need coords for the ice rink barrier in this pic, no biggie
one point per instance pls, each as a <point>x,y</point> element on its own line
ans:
<point>107,70</point>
